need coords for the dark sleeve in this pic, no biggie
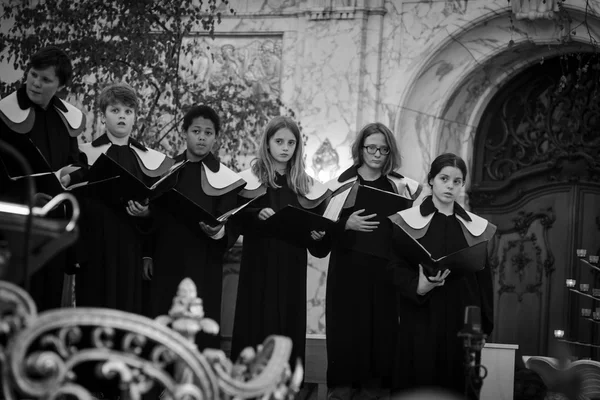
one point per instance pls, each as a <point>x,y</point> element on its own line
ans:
<point>79,159</point>
<point>405,277</point>
<point>146,227</point>
<point>226,203</point>
<point>332,236</point>
<point>486,290</point>
<point>321,248</point>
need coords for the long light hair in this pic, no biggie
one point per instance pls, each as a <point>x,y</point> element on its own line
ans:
<point>392,161</point>
<point>263,166</point>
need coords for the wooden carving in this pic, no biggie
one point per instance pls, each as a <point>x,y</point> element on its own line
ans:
<point>40,354</point>
<point>576,380</point>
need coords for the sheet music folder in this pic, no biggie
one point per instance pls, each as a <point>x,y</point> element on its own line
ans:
<point>189,212</point>
<point>115,184</point>
<point>46,180</point>
<point>37,162</point>
<point>380,202</point>
<point>469,259</point>
<point>295,224</point>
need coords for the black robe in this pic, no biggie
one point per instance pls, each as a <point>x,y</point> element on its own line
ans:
<point>113,243</point>
<point>360,308</point>
<point>57,143</point>
<point>182,250</point>
<point>429,353</point>
<point>271,296</point>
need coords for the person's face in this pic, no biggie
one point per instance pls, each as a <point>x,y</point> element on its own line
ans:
<point>376,144</point>
<point>200,137</point>
<point>119,119</point>
<point>446,184</point>
<point>282,146</point>
<point>41,85</point>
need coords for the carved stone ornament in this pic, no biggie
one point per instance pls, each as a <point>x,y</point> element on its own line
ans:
<point>534,9</point>
<point>40,355</point>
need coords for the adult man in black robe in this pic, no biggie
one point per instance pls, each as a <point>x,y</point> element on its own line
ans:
<point>31,118</point>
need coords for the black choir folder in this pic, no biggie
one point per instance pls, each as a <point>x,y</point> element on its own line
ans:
<point>295,224</point>
<point>46,180</point>
<point>469,259</point>
<point>36,160</point>
<point>189,212</point>
<point>380,202</point>
<point>109,181</point>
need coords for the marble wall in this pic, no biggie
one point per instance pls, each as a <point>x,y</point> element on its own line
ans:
<point>427,69</point>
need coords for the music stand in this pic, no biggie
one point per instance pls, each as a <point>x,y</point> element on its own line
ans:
<point>48,236</point>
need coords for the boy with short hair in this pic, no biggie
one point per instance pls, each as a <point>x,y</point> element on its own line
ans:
<point>114,235</point>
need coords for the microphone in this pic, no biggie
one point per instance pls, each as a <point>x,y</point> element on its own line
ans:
<point>473,341</point>
<point>472,321</point>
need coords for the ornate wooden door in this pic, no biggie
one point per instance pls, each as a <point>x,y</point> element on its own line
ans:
<point>536,174</point>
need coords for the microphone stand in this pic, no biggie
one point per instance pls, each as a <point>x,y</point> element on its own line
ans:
<point>475,373</point>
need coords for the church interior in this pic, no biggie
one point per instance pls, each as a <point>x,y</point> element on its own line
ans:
<point>510,86</point>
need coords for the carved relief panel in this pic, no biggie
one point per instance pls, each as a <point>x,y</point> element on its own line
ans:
<point>252,62</point>
<point>522,263</point>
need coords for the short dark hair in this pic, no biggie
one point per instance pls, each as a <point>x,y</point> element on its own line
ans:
<point>52,56</point>
<point>446,160</point>
<point>204,112</point>
<point>118,93</point>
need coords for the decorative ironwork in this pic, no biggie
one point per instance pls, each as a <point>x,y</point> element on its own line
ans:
<point>521,261</point>
<point>42,355</point>
<point>550,117</point>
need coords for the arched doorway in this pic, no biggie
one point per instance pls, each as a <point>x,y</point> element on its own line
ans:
<point>536,174</point>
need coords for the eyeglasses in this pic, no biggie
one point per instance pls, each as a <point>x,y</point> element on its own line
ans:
<point>372,149</point>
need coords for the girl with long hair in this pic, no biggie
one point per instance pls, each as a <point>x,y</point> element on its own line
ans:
<point>271,295</point>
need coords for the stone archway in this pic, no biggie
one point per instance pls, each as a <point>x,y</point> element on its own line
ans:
<point>441,110</point>
<point>447,92</point>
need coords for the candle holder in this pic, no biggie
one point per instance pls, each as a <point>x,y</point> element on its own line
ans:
<point>586,312</point>
<point>584,287</point>
<point>581,253</point>
<point>594,259</point>
<point>571,283</point>
<point>596,316</point>
<point>559,334</point>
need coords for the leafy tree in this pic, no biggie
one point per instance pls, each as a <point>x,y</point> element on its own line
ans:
<point>146,44</point>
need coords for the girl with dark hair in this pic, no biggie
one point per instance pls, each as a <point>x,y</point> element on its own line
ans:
<point>271,296</point>
<point>194,249</point>
<point>431,309</point>
<point>360,309</point>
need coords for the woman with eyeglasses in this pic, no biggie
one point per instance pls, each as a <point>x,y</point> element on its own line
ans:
<point>360,312</point>
<point>431,308</point>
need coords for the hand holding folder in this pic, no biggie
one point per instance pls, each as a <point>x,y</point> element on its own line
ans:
<point>469,259</point>
<point>190,213</point>
<point>111,182</point>
<point>46,180</point>
<point>380,202</point>
<point>295,224</point>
